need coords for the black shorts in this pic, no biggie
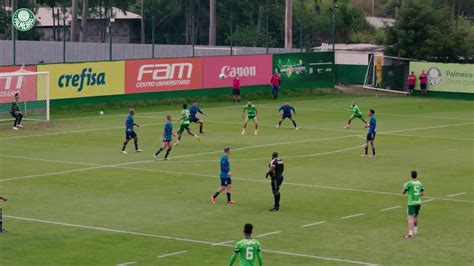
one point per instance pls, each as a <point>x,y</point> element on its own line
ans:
<point>130,135</point>
<point>182,128</point>
<point>423,86</point>
<point>226,181</point>
<point>194,119</point>
<point>371,136</point>
<point>286,116</point>
<point>411,87</point>
<point>236,92</point>
<point>276,182</point>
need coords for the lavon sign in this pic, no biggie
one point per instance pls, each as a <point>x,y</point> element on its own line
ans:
<point>252,70</point>
<point>163,75</point>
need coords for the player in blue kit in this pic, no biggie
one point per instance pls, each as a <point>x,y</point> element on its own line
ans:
<point>130,132</point>
<point>371,134</point>
<point>193,111</point>
<point>226,181</point>
<point>287,109</point>
<point>167,138</point>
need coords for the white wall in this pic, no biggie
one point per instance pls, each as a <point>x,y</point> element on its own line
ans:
<point>354,57</point>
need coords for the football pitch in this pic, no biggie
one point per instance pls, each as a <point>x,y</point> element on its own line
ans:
<point>74,199</point>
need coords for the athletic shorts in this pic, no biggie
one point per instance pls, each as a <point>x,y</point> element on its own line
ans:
<point>130,135</point>
<point>182,128</point>
<point>236,92</point>
<point>413,210</point>
<point>371,136</point>
<point>411,87</point>
<point>226,181</point>
<point>286,116</point>
<point>194,119</point>
<point>423,86</point>
<point>276,182</point>
<point>360,116</point>
<point>167,140</point>
<point>251,117</point>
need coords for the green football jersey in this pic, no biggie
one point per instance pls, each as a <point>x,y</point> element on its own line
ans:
<point>15,107</point>
<point>355,110</point>
<point>414,189</point>
<point>251,110</point>
<point>249,251</point>
<point>184,117</point>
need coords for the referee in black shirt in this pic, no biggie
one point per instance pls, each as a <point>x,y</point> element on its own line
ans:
<point>275,171</point>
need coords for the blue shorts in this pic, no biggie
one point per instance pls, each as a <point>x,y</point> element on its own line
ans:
<point>167,140</point>
<point>283,116</point>
<point>194,119</point>
<point>226,181</point>
<point>371,136</point>
<point>130,135</point>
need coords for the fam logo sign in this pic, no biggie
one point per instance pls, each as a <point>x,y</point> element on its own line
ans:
<point>163,75</point>
<point>84,79</point>
<point>23,19</point>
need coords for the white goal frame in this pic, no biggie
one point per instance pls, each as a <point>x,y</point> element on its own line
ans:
<point>21,73</point>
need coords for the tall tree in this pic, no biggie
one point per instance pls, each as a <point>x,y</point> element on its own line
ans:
<point>289,24</point>
<point>85,17</point>
<point>212,22</point>
<point>73,37</point>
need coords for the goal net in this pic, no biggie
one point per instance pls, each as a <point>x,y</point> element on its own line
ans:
<point>33,91</point>
<point>387,73</point>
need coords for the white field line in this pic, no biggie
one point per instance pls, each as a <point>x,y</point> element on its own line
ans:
<point>428,200</point>
<point>127,263</point>
<point>258,181</point>
<point>353,215</point>
<point>390,208</point>
<point>179,239</point>
<point>312,224</point>
<point>172,254</point>
<point>379,113</point>
<point>98,166</point>
<point>268,234</point>
<point>457,194</point>
<point>72,132</point>
<point>223,243</point>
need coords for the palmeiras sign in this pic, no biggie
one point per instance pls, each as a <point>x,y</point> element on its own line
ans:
<point>23,19</point>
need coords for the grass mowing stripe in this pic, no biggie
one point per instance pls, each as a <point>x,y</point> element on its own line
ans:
<point>262,181</point>
<point>172,254</point>
<point>179,239</point>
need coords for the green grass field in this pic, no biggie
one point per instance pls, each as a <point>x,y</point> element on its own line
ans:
<point>75,200</point>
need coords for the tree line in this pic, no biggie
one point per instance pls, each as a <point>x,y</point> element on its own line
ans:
<point>440,30</point>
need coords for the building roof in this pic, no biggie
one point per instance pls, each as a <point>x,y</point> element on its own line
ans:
<point>350,47</point>
<point>380,22</point>
<point>44,16</point>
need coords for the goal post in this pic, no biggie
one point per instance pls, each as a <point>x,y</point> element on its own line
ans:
<point>387,73</point>
<point>33,89</point>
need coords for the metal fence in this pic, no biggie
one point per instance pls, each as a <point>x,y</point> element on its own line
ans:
<point>39,52</point>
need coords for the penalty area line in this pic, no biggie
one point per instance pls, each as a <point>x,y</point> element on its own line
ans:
<point>181,239</point>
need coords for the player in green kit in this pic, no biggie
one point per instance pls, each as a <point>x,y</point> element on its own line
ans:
<point>248,249</point>
<point>184,124</point>
<point>356,113</point>
<point>252,114</point>
<point>414,190</point>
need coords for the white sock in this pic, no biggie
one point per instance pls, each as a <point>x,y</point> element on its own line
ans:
<point>416,229</point>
